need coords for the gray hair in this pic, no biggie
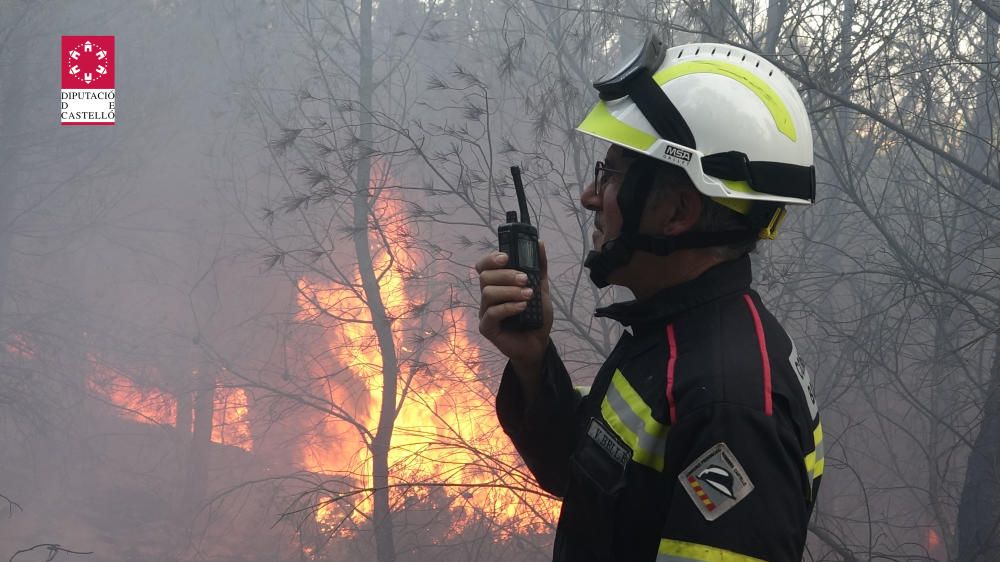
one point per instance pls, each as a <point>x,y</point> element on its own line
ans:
<point>714,216</point>
<point>719,218</point>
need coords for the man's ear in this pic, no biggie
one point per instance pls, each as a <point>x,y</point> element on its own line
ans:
<point>686,210</point>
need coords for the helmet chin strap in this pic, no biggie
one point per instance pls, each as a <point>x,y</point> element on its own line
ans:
<point>632,196</point>
<point>618,252</point>
<point>613,254</point>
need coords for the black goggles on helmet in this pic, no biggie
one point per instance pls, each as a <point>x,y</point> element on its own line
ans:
<point>640,64</point>
<point>635,80</point>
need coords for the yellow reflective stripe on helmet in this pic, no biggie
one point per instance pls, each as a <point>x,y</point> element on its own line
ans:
<point>764,91</point>
<point>630,417</point>
<point>680,551</point>
<point>741,206</point>
<point>600,123</point>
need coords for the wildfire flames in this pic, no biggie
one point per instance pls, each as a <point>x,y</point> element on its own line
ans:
<point>445,436</point>
<point>447,455</point>
<point>230,424</point>
<point>131,402</point>
<point>17,346</point>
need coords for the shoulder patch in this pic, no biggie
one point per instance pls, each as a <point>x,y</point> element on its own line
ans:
<point>716,481</point>
<point>802,374</point>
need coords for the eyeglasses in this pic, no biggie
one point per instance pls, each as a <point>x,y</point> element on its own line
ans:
<point>601,173</point>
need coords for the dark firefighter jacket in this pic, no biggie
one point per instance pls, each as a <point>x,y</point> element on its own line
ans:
<point>698,440</point>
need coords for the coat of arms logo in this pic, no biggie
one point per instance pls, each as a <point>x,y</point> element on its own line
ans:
<point>88,80</point>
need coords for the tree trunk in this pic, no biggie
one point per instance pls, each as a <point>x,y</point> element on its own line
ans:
<point>717,17</point>
<point>382,513</point>
<point>776,10</point>
<point>182,421</point>
<point>204,406</point>
<point>11,122</point>
<point>979,506</point>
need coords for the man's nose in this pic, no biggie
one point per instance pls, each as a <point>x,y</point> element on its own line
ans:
<point>589,198</point>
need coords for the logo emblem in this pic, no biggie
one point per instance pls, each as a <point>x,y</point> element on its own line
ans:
<point>718,478</point>
<point>88,62</point>
<point>677,155</point>
<point>716,482</point>
<point>88,80</point>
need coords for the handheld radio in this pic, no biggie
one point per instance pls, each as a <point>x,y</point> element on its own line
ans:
<point>519,240</point>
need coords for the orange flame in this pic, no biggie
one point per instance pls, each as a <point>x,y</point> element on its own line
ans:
<point>230,425</point>
<point>230,422</point>
<point>131,402</point>
<point>935,545</point>
<point>445,435</point>
<point>18,346</point>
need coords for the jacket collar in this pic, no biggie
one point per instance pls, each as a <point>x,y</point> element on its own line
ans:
<point>724,279</point>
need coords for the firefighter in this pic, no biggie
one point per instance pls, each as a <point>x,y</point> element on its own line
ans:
<point>699,438</point>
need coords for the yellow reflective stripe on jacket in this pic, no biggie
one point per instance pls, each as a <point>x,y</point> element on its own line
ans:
<point>630,417</point>
<point>680,551</point>
<point>816,460</point>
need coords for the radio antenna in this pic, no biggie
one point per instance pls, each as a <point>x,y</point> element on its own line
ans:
<point>522,203</point>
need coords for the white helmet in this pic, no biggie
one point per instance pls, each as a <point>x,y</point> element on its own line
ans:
<point>729,118</point>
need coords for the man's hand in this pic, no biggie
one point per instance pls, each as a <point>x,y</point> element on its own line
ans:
<point>505,292</point>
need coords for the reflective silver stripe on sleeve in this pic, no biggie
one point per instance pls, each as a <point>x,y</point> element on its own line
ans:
<point>631,418</point>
